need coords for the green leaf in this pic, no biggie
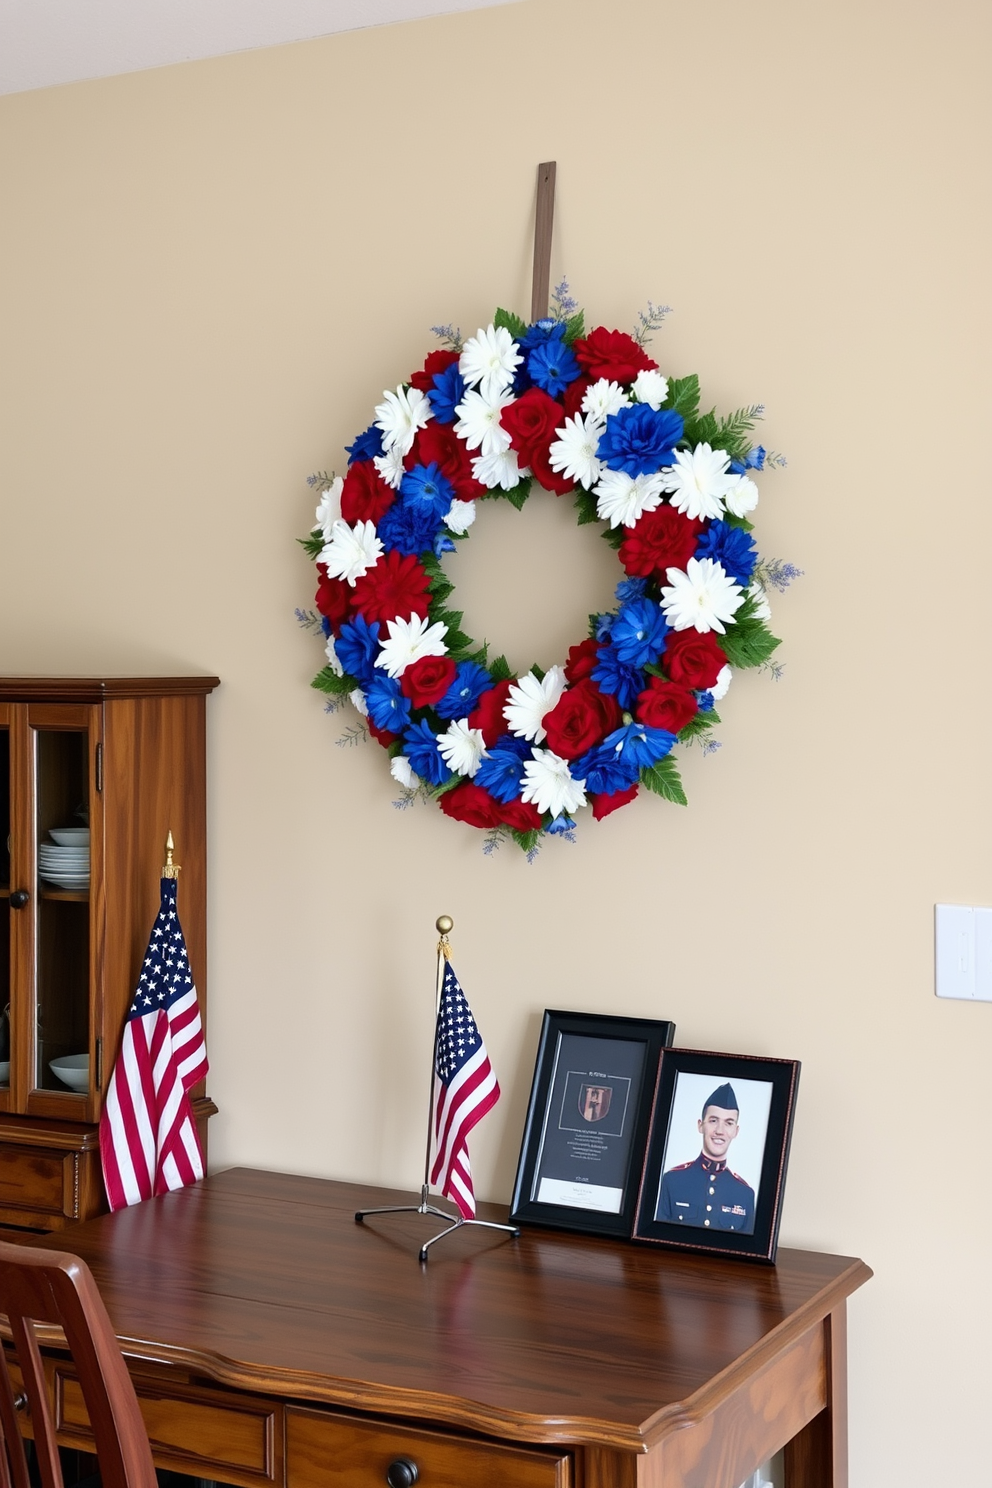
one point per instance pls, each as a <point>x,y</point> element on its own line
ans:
<point>442,790</point>
<point>440,590</point>
<point>519,493</point>
<point>732,435</point>
<point>538,671</point>
<point>451,618</point>
<point>702,430</point>
<point>683,396</point>
<point>698,725</point>
<point>664,779</point>
<point>328,681</point>
<point>585,505</point>
<point>395,748</point>
<point>614,536</point>
<point>575,326</point>
<point>313,544</point>
<point>480,656</point>
<point>432,566</point>
<point>500,670</point>
<point>526,840</point>
<point>459,644</point>
<point>733,521</point>
<point>748,643</point>
<point>511,323</point>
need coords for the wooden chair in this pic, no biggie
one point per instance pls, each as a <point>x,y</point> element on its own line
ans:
<point>47,1287</point>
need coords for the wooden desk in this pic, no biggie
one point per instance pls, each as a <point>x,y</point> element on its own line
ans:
<point>274,1341</point>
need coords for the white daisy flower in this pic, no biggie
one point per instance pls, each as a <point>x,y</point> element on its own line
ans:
<point>351,551</point>
<point>530,699</point>
<point>573,453</point>
<point>758,592</point>
<point>742,496</point>
<point>408,641</point>
<point>329,510</point>
<point>332,658</point>
<point>604,398</point>
<point>479,422</point>
<point>501,469</point>
<point>489,360</point>
<point>650,387</point>
<point>461,515</point>
<point>623,499</point>
<point>461,747</point>
<point>390,466</point>
<point>400,415</point>
<point>721,686</point>
<point>699,481</point>
<point>399,768</point>
<point>549,784</point>
<point>357,700</point>
<point>703,597</point>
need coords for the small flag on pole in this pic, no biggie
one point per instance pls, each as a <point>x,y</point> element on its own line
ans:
<point>148,1139</point>
<point>465,1089</point>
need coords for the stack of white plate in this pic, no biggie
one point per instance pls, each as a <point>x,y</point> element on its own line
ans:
<point>66,861</point>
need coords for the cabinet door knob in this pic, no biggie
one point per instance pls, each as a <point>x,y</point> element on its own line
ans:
<point>402,1473</point>
<point>19,898</point>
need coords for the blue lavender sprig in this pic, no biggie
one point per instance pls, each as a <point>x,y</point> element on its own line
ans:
<point>649,321</point>
<point>562,304</point>
<point>355,733</point>
<point>320,480</point>
<point>775,573</point>
<point>450,335</point>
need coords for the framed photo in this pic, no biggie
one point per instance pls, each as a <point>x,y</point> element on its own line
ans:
<point>717,1153</point>
<point>587,1121</point>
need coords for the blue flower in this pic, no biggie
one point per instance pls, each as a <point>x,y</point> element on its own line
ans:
<point>638,634</point>
<point>388,708</point>
<point>464,693</point>
<point>753,460</point>
<point>630,589</point>
<point>443,544</point>
<point>552,366</point>
<point>541,332</point>
<point>705,701</point>
<point>604,771</point>
<point>366,446</point>
<point>639,745</point>
<point>357,647</point>
<point>325,625</point>
<point>422,752</point>
<point>603,626</point>
<point>618,678</point>
<point>561,824</point>
<point>446,393</point>
<point>640,439</point>
<point>501,771</point>
<point>425,486</point>
<point>408,528</point>
<point>732,548</point>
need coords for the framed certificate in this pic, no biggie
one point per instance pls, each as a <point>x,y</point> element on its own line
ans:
<point>587,1122</point>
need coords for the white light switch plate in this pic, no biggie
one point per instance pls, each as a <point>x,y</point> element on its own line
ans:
<point>963,952</point>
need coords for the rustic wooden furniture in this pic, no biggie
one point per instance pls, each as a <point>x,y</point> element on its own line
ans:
<point>275,1342</point>
<point>125,756</point>
<point>46,1287</point>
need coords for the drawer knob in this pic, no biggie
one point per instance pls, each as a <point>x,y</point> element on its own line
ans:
<point>402,1473</point>
<point>19,898</point>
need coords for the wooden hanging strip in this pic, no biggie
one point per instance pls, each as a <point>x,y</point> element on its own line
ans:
<point>543,229</point>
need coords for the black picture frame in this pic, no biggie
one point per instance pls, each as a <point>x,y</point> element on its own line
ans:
<point>701,1204</point>
<point>582,1060</point>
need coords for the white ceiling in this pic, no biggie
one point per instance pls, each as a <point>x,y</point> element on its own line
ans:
<point>44,42</point>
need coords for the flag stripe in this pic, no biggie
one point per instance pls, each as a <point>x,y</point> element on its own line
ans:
<point>465,1088</point>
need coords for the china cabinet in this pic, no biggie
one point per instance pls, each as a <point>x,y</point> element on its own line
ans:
<point>109,766</point>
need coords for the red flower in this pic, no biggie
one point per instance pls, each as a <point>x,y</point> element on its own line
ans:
<point>332,599</point>
<point>365,497</point>
<point>437,361</point>
<point>662,539</point>
<point>440,445</point>
<point>666,705</point>
<point>611,354</point>
<point>581,660</point>
<point>690,658</point>
<point>531,422</point>
<point>603,805</point>
<point>580,718</point>
<point>468,802</point>
<point>397,586</point>
<point>381,736</point>
<point>426,681</point>
<point>521,816</point>
<point>550,479</point>
<point>488,716</point>
<point>573,395</point>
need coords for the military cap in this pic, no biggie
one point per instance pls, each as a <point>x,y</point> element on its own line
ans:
<point>724,1097</point>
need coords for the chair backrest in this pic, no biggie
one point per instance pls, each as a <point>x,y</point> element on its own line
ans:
<point>49,1288</point>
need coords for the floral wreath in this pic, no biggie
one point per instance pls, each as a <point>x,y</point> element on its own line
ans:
<point>514,410</point>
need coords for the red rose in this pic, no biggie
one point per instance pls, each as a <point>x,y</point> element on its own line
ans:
<point>579,719</point>
<point>662,539</point>
<point>437,361</point>
<point>611,354</point>
<point>488,716</point>
<point>468,802</point>
<point>381,736</point>
<point>332,598</point>
<point>573,395</point>
<point>439,444</point>
<point>426,681</point>
<point>581,660</point>
<point>690,658</point>
<point>521,816</point>
<point>603,805</point>
<point>550,479</point>
<point>397,586</point>
<point>666,705</point>
<point>531,423</point>
<point>365,497</point>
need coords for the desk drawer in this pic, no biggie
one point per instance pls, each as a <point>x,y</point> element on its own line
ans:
<point>329,1451</point>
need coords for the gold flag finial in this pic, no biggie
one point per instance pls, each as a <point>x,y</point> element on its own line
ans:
<point>444,925</point>
<point>171,869</point>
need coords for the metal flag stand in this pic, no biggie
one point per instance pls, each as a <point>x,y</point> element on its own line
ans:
<point>454,1221</point>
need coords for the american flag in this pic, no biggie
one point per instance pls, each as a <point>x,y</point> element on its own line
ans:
<point>148,1138</point>
<point>465,1089</point>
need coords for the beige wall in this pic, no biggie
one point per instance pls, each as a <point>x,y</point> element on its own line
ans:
<point>209,274</point>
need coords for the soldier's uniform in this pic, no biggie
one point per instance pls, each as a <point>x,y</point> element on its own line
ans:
<point>706,1193</point>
